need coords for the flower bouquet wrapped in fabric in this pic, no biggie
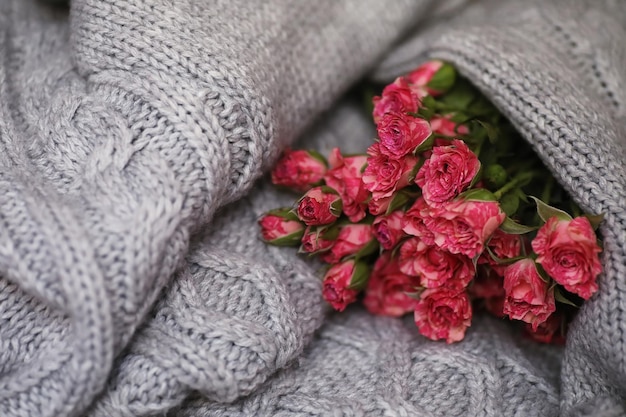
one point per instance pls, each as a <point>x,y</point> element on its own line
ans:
<point>449,206</point>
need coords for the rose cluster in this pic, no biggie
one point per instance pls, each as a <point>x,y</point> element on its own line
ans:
<point>435,219</point>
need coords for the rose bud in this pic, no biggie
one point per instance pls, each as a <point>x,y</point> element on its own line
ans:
<point>281,227</point>
<point>342,283</point>
<point>448,172</point>
<point>388,229</point>
<point>435,77</point>
<point>316,240</point>
<point>352,238</point>
<point>319,206</point>
<point>568,251</point>
<point>413,221</point>
<point>504,246</point>
<point>527,297</point>
<point>443,313</point>
<point>464,226</point>
<point>401,134</point>
<point>446,127</point>
<point>378,206</point>
<point>299,170</point>
<point>344,177</point>
<point>435,267</point>
<point>551,331</point>
<point>387,288</point>
<point>383,175</point>
<point>396,97</point>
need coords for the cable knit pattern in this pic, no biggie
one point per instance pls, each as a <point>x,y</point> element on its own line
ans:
<point>132,280</point>
<point>123,130</point>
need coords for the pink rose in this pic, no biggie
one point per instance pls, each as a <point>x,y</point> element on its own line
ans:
<point>336,282</point>
<point>551,331</point>
<point>396,97</point>
<point>464,226</point>
<point>319,207</point>
<point>281,229</point>
<point>413,221</point>
<point>443,313</point>
<point>378,206</point>
<point>421,79</point>
<point>352,238</point>
<point>448,172</point>
<point>387,288</point>
<point>435,267</point>
<point>528,297</point>
<point>446,127</point>
<point>313,241</point>
<point>400,134</point>
<point>299,170</point>
<point>383,175</point>
<point>388,229</point>
<point>568,251</point>
<point>345,177</point>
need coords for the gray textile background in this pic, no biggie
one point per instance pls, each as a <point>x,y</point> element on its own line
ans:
<point>126,128</point>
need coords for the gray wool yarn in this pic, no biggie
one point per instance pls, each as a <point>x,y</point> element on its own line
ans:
<point>124,130</point>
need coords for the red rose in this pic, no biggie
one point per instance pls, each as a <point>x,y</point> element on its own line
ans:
<point>384,175</point>
<point>413,221</point>
<point>446,127</point>
<point>388,229</point>
<point>352,238</point>
<point>336,282</point>
<point>279,229</point>
<point>551,331</point>
<point>528,298</point>
<point>464,226</point>
<point>435,267</point>
<point>568,251</point>
<point>299,170</point>
<point>400,134</point>
<point>319,206</point>
<point>313,241</point>
<point>448,172</point>
<point>344,176</point>
<point>396,97</point>
<point>443,313</point>
<point>421,79</point>
<point>387,288</point>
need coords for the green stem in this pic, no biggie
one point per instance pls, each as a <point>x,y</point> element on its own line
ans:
<point>520,179</point>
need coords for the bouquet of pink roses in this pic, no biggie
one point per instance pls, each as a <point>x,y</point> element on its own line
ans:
<point>449,211</point>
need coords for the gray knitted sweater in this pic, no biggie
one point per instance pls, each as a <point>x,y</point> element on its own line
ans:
<point>133,134</point>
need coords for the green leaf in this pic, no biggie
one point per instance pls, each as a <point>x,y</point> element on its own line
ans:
<point>506,261</point>
<point>545,211</point>
<point>511,227</point>
<point>398,200</point>
<point>360,276</point>
<point>368,249</point>
<point>595,220</point>
<point>493,133</point>
<point>560,298</point>
<point>328,190</point>
<point>293,239</point>
<point>416,295</point>
<point>426,145</point>
<point>336,207</point>
<point>316,155</point>
<point>477,194</point>
<point>542,273</point>
<point>443,79</point>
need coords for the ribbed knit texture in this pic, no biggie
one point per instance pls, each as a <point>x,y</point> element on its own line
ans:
<point>126,291</point>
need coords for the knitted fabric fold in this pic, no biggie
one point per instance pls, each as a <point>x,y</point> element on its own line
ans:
<point>122,131</point>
